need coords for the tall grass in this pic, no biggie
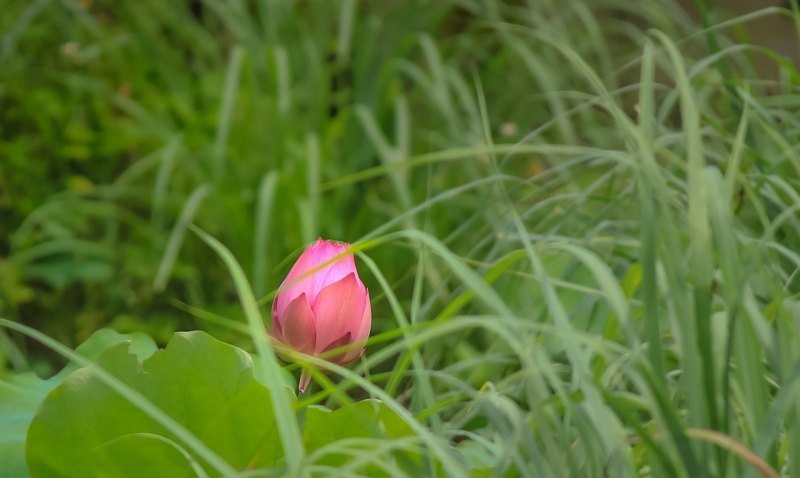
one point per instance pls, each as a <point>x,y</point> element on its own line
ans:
<point>578,223</point>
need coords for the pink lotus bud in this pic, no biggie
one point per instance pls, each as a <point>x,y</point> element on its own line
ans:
<point>322,304</point>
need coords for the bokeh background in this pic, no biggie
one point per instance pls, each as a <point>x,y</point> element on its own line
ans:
<point>269,123</point>
<point>123,122</point>
<point>578,219</point>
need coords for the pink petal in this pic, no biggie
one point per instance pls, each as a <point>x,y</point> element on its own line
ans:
<point>338,308</point>
<point>309,276</point>
<point>280,345</point>
<point>361,331</point>
<point>359,335</point>
<point>298,326</point>
<point>276,324</point>
<point>340,342</point>
<point>275,332</point>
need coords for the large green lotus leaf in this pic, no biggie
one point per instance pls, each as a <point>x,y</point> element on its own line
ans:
<point>328,432</point>
<point>139,344</point>
<point>85,429</point>
<point>20,396</point>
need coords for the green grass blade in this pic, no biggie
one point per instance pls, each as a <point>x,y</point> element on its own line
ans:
<point>282,407</point>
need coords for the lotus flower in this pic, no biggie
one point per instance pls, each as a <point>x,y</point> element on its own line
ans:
<point>322,304</point>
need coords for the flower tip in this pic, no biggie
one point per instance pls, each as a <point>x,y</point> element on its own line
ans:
<point>330,242</point>
<point>305,379</point>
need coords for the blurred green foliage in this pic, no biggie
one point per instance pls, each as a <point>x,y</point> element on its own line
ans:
<point>114,114</point>
<point>122,123</point>
<point>578,218</point>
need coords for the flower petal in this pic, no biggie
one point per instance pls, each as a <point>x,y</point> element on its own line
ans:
<point>363,327</point>
<point>310,276</point>
<point>337,309</point>
<point>275,332</point>
<point>298,328</point>
<point>359,335</point>
<point>340,342</point>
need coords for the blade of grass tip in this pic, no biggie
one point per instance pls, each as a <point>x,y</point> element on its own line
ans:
<point>648,233</point>
<point>347,13</point>
<point>284,414</point>
<point>611,288</point>
<point>167,162</point>
<point>660,219</point>
<point>266,199</point>
<point>177,235</point>
<point>652,185</point>
<point>382,146</point>
<point>134,397</point>
<point>495,271</point>
<point>312,182</point>
<point>440,92</point>
<point>420,376</point>
<point>402,130</point>
<point>704,9</point>
<point>419,276</point>
<point>732,169</point>
<point>700,250</point>
<point>388,153</point>
<point>226,110</point>
<point>468,277</point>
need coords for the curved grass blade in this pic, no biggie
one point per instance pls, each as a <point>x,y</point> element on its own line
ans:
<point>284,413</point>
